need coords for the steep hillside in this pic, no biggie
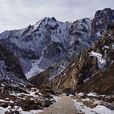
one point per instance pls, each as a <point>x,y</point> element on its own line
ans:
<point>92,70</point>
<point>10,69</point>
<point>102,81</point>
<point>47,43</point>
<point>82,36</point>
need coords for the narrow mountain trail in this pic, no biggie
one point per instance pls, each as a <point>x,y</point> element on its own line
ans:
<point>64,105</point>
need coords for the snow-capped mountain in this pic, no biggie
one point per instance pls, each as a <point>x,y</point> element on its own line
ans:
<point>82,35</point>
<point>47,42</point>
<point>91,71</point>
<point>37,44</point>
<point>51,43</point>
<point>58,57</point>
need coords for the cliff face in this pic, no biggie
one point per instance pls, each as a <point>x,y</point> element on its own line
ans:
<point>102,19</point>
<point>10,69</point>
<point>102,81</point>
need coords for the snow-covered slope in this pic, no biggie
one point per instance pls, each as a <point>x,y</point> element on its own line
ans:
<point>92,70</point>
<point>47,42</point>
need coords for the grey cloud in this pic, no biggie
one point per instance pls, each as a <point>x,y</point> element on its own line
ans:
<point>20,13</point>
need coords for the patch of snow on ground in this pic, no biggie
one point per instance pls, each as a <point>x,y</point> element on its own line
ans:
<point>80,94</point>
<point>1,100</point>
<point>3,110</point>
<point>103,110</point>
<point>82,108</point>
<point>30,93</point>
<point>92,94</point>
<point>100,59</point>
<point>19,109</point>
<point>86,80</point>
<point>87,110</point>
<point>56,98</point>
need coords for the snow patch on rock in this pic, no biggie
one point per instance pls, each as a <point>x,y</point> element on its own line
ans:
<point>100,59</point>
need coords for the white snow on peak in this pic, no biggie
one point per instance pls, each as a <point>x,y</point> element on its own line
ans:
<point>37,24</point>
<point>100,59</point>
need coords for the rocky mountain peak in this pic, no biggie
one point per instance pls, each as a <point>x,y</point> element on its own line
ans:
<point>47,19</point>
<point>50,42</point>
<point>102,19</point>
<point>107,12</point>
<point>46,22</point>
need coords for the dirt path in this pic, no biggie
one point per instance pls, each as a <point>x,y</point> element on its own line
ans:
<point>65,105</point>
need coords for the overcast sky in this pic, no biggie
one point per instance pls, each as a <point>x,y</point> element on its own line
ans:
<point>16,14</point>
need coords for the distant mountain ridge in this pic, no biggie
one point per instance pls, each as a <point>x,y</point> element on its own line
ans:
<point>45,50</point>
<point>47,42</point>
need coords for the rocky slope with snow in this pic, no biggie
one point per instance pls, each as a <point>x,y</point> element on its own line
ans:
<point>58,57</point>
<point>40,45</point>
<point>92,70</point>
<point>101,80</point>
<point>82,36</point>
<point>47,43</point>
<point>10,68</point>
<point>48,50</point>
<point>50,42</point>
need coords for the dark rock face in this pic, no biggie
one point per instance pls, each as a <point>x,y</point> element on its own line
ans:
<point>102,81</point>
<point>41,78</point>
<point>102,19</point>
<point>10,69</point>
<point>54,52</point>
<point>11,61</point>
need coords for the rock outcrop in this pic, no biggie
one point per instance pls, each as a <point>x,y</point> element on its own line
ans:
<point>10,68</point>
